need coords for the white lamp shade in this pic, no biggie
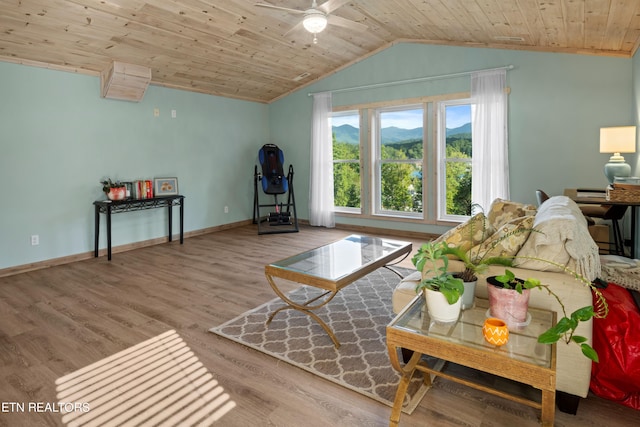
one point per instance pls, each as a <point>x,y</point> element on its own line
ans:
<point>620,139</point>
<point>315,22</point>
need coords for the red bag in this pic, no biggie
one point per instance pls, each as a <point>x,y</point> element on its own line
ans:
<point>616,338</point>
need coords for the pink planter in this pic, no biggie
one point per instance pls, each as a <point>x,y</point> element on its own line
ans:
<point>508,304</point>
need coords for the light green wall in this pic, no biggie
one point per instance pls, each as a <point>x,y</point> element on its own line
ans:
<point>557,104</point>
<point>58,139</point>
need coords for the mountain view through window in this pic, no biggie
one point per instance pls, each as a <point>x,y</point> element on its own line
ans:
<point>457,159</point>
<point>399,160</point>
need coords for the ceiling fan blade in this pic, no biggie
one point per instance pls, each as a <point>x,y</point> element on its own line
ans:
<point>346,23</point>
<point>286,9</point>
<point>296,27</point>
<point>331,5</point>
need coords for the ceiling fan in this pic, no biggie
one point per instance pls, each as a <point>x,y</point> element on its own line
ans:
<point>317,17</point>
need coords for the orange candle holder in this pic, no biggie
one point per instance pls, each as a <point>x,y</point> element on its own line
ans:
<point>495,331</point>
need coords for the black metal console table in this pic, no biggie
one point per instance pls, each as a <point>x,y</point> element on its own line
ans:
<point>109,207</point>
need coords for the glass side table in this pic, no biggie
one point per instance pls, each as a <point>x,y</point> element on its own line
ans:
<point>522,359</point>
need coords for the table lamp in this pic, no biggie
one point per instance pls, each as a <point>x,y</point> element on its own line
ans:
<point>616,140</point>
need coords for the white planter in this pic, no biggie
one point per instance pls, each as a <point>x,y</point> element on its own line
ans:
<point>468,297</point>
<point>439,308</point>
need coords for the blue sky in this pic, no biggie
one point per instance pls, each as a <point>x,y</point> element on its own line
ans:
<point>408,119</point>
<point>457,115</point>
<point>352,120</point>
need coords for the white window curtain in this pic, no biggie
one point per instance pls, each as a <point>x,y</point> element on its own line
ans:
<point>490,163</point>
<point>321,186</point>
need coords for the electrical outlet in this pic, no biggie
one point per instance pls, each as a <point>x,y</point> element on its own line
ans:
<point>156,112</point>
<point>226,209</point>
<point>174,114</point>
<point>35,240</point>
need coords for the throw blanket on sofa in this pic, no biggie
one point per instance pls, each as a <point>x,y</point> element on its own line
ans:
<point>622,271</point>
<point>561,235</point>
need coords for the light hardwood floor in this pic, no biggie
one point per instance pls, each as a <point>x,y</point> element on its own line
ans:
<point>57,320</point>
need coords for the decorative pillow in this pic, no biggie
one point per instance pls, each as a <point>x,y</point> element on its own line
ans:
<point>468,234</point>
<point>503,211</point>
<point>507,241</point>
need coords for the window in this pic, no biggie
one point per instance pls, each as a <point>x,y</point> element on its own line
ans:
<point>384,156</point>
<point>346,161</point>
<point>398,148</point>
<point>454,159</point>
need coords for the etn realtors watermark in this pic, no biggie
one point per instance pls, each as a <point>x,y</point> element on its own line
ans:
<point>41,407</point>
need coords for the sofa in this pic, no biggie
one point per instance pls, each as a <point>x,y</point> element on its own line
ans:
<point>556,230</point>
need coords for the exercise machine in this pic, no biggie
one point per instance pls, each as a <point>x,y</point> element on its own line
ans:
<point>282,217</point>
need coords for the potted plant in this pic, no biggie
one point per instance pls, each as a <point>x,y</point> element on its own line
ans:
<point>509,298</point>
<point>114,190</point>
<point>441,289</point>
<point>565,327</point>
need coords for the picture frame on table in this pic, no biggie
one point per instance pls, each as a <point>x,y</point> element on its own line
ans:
<point>165,186</point>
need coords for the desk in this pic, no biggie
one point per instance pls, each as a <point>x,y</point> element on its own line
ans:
<point>572,193</point>
<point>109,207</point>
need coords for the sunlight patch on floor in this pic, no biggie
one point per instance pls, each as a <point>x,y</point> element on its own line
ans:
<point>157,382</point>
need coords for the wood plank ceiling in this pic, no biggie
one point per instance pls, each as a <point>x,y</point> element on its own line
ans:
<point>234,49</point>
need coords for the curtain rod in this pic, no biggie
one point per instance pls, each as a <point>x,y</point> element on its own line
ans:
<point>419,79</point>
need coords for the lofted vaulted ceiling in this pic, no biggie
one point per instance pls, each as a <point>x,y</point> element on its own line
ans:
<point>234,49</point>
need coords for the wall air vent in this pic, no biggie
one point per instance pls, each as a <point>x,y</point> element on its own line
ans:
<point>123,81</point>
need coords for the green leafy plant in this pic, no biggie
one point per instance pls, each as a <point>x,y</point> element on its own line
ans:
<point>474,266</point>
<point>107,184</point>
<point>510,281</point>
<point>477,263</point>
<point>431,256</point>
<point>566,327</point>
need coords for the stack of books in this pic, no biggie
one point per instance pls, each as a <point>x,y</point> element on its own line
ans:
<point>142,189</point>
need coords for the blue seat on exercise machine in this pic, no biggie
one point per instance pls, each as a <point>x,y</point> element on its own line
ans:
<point>273,179</point>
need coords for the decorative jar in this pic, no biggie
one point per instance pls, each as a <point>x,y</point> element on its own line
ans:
<point>495,331</point>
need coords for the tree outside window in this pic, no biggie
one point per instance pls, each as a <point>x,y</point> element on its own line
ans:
<point>399,148</point>
<point>346,160</point>
<point>455,152</point>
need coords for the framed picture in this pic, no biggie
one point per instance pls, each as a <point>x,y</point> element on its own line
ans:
<point>165,186</point>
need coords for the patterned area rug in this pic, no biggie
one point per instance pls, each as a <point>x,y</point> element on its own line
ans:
<point>358,315</point>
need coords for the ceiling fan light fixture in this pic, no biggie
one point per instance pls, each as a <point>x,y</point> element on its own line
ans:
<point>314,21</point>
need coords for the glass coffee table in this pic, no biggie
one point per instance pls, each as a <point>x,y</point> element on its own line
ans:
<point>522,359</point>
<point>331,268</point>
